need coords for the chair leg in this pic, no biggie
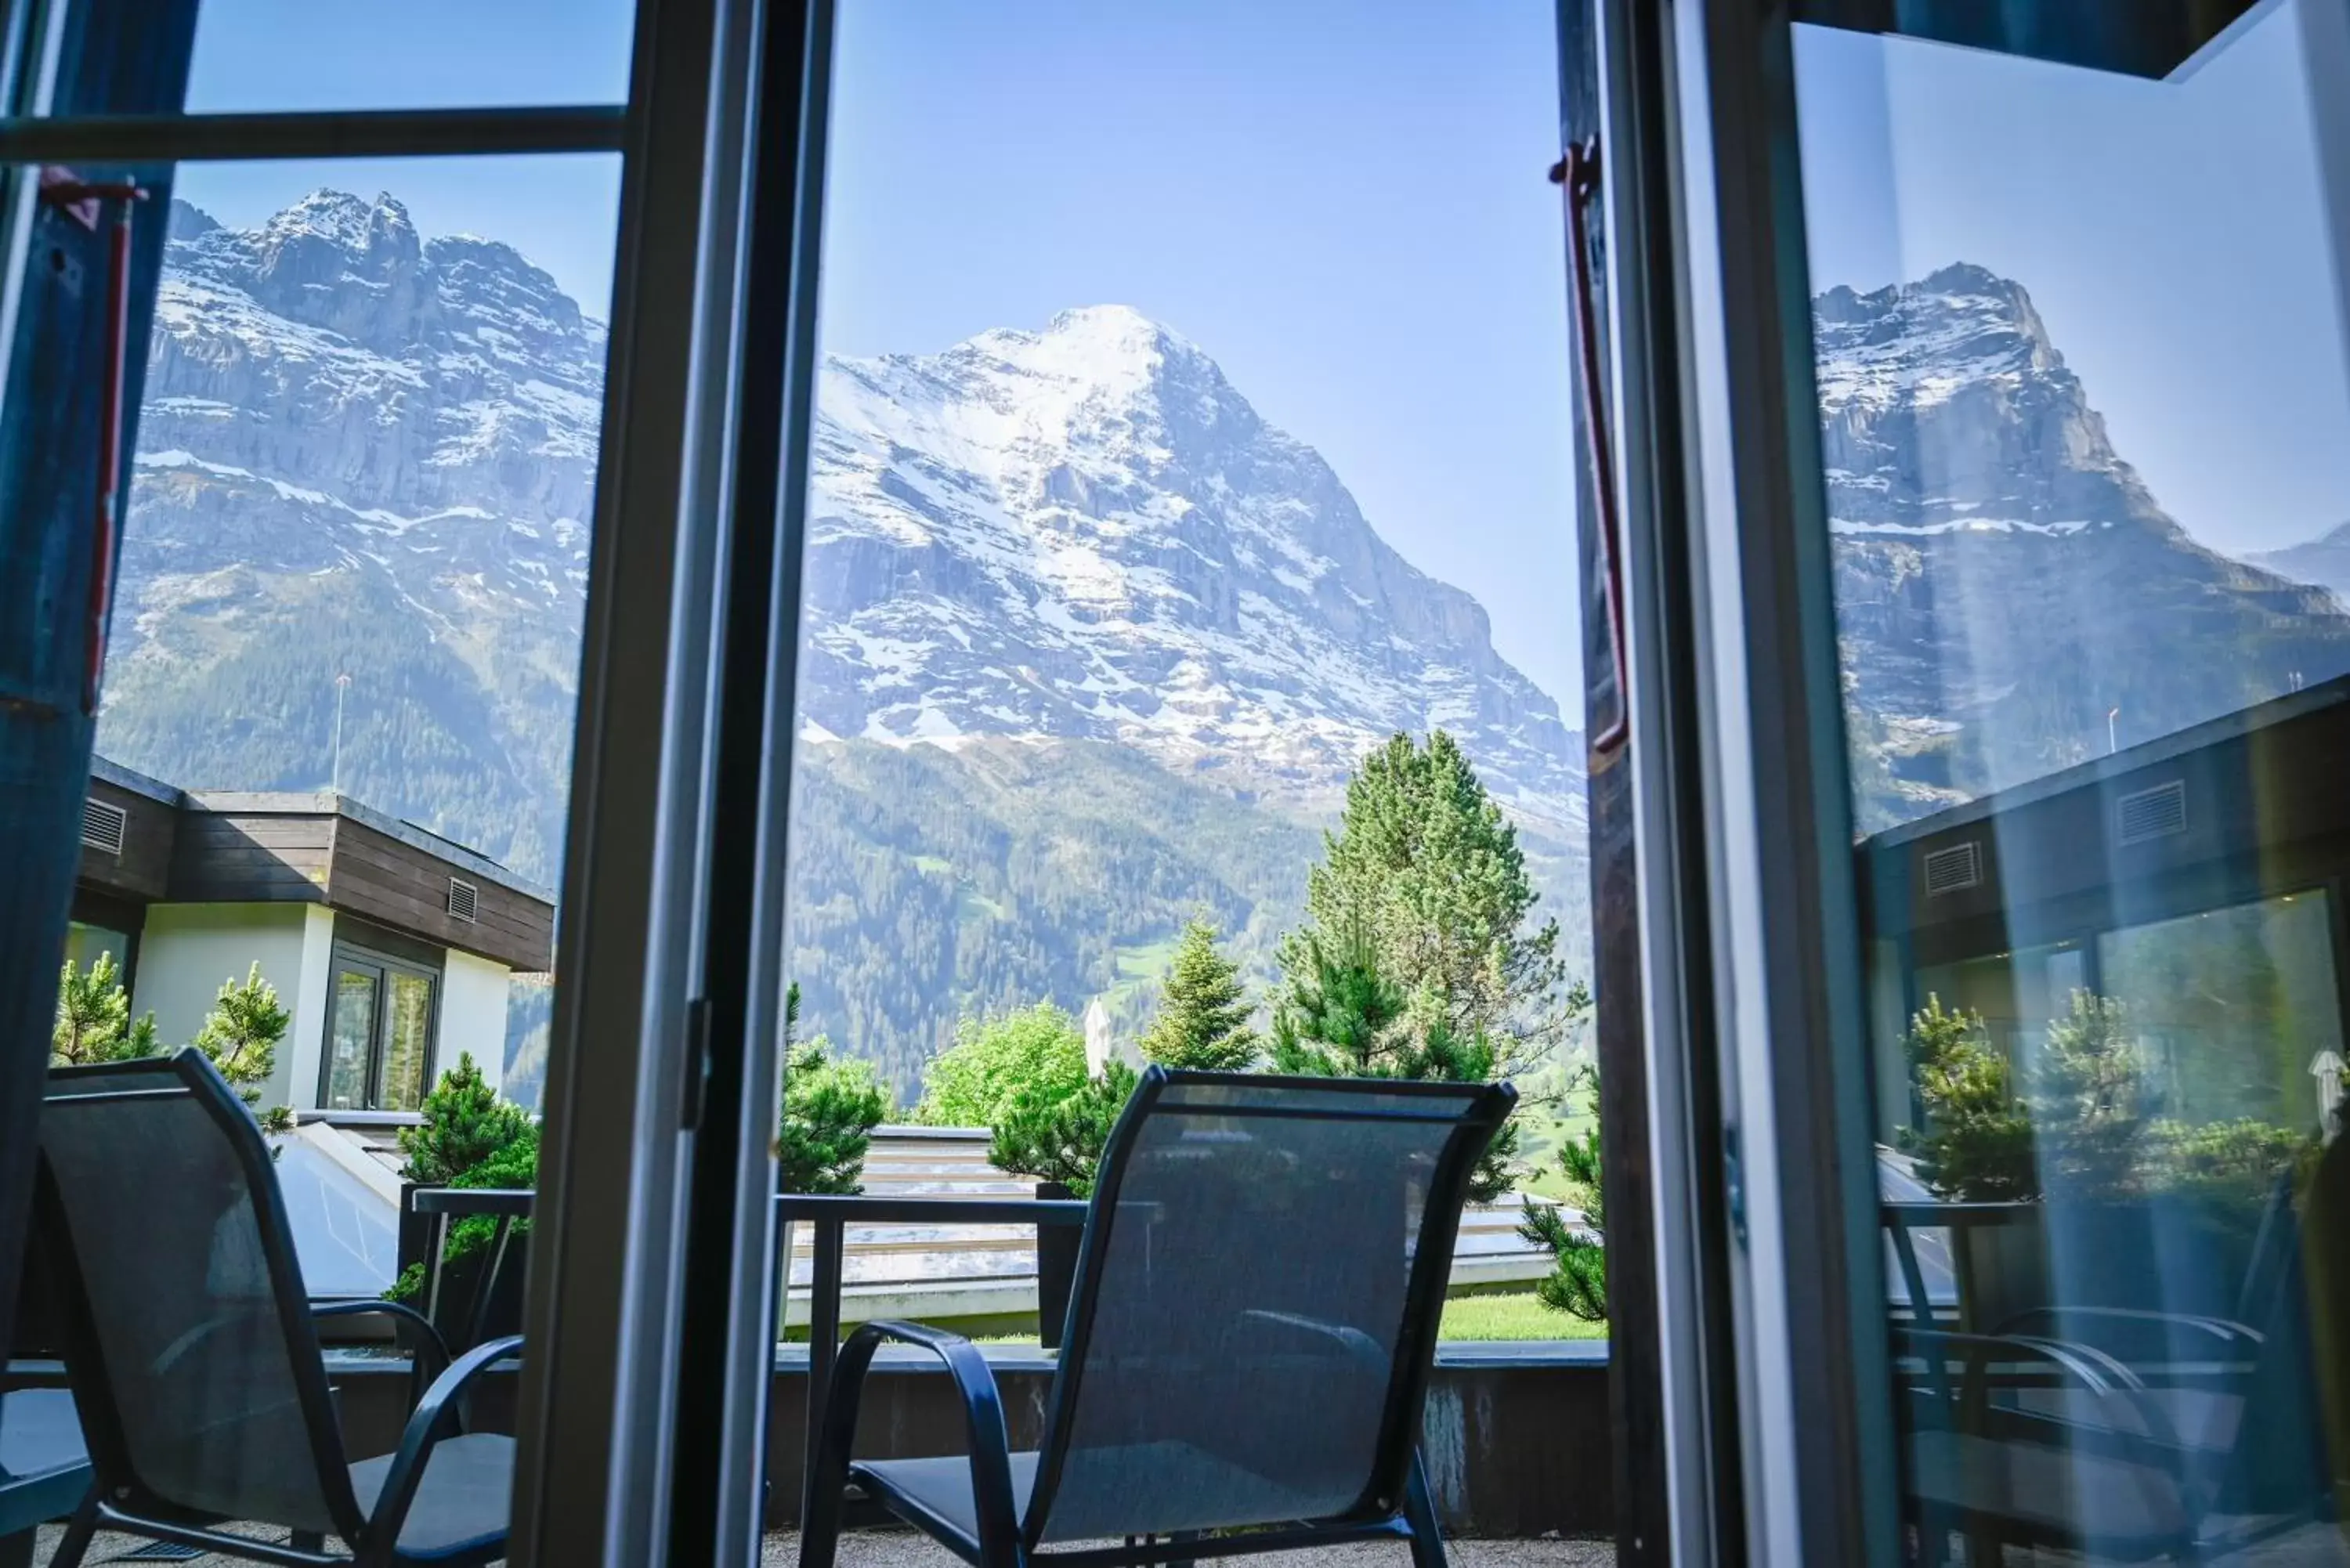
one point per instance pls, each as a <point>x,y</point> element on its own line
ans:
<point>76,1544</point>
<point>1419,1512</point>
<point>1179,1538</point>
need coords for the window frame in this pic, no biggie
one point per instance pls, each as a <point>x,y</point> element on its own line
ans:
<point>1739,761</point>
<point>599,1395</point>
<point>349,957</point>
<point>1778,1438</point>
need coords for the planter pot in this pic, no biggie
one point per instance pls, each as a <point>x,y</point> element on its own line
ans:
<point>1056,1269</point>
<point>479,1303</point>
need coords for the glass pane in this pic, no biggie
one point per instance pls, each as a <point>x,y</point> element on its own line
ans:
<point>354,566</point>
<point>406,1042</point>
<point>1131,543</point>
<point>350,1040</point>
<point>430,54</point>
<point>2086,453</point>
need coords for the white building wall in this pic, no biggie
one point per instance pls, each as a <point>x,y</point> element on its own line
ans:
<point>187,952</point>
<point>472,1015</point>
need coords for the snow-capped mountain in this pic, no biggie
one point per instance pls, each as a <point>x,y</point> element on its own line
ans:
<point>2004,579</point>
<point>362,453</point>
<point>1087,532</point>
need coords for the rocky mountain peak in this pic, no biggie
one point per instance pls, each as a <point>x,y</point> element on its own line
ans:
<point>1101,379</point>
<point>330,231</point>
<point>2005,582</point>
<point>1944,405</point>
<point>1087,532</point>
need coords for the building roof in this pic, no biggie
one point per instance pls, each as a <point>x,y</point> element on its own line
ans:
<point>148,842</point>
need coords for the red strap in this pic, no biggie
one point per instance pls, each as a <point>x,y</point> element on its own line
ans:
<point>1578,173</point>
<point>81,199</point>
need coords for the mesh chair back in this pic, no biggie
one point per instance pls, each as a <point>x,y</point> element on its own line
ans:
<point>190,1346</point>
<point>1256,1305</point>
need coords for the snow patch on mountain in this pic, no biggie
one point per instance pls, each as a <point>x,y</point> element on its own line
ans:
<point>1086,531</point>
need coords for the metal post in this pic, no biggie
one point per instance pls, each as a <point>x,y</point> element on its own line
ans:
<point>824,1345</point>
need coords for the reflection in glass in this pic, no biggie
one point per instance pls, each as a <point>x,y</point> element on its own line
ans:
<point>408,1042</point>
<point>2095,713</point>
<point>351,1043</point>
<point>355,561</point>
<point>344,55</point>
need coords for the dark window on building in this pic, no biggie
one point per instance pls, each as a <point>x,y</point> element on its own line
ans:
<point>380,1012</point>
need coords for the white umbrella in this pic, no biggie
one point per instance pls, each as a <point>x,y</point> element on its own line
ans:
<point>1096,1037</point>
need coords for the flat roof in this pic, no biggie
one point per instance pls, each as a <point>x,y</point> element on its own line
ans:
<point>2145,754</point>
<point>137,783</point>
<point>321,804</point>
<point>327,802</point>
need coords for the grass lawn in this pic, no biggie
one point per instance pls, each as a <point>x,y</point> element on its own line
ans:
<point>1517,1316</point>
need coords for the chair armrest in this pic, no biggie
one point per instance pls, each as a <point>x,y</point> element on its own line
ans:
<point>362,1306</point>
<point>423,1432</point>
<point>2227,1334</point>
<point>982,1409</point>
<point>2155,1448</point>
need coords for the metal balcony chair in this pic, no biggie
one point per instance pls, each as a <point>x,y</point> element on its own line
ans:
<point>44,1464</point>
<point>1247,1346</point>
<point>2050,1436</point>
<point>193,1356</point>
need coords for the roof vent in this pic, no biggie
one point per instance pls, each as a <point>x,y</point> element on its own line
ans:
<point>2156,813</point>
<point>1948,870</point>
<point>462,896</point>
<point>102,824</point>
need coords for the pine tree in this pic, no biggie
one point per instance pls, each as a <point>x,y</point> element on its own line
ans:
<point>1336,1016</point>
<point>1055,1136</point>
<point>1976,1140</point>
<point>1578,1281</point>
<point>2090,1100</point>
<point>1340,1017</point>
<point>830,1109</point>
<point>1426,870</point>
<point>1204,1009</point>
<point>93,1022</point>
<point>240,1034</point>
<point>465,1122</point>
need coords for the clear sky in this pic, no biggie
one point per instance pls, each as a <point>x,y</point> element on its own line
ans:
<point>1345,205</point>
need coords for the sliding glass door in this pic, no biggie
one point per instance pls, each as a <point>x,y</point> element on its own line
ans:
<point>427,504</point>
<point>2007,385</point>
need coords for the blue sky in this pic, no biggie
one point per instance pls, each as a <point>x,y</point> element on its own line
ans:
<point>1345,206</point>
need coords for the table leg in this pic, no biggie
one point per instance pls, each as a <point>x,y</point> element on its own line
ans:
<point>824,1344</point>
<point>17,1550</point>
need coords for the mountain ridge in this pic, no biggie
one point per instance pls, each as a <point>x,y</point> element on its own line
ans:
<point>2006,583</point>
<point>1094,598</point>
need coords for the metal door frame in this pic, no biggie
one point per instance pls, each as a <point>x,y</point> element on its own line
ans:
<point>1772,1372</point>
<point>597,1395</point>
